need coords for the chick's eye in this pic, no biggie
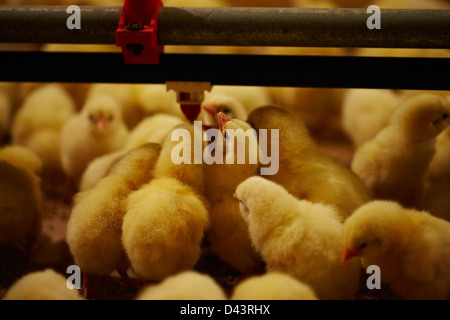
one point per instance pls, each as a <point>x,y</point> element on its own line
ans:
<point>445,116</point>
<point>226,111</point>
<point>110,118</point>
<point>363,245</point>
<point>91,117</point>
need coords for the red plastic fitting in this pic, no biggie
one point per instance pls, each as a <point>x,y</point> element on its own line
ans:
<point>137,31</point>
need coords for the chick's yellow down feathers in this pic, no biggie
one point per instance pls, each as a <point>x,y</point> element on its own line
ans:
<point>394,163</point>
<point>411,248</point>
<point>20,197</point>
<point>126,98</point>
<point>365,112</point>
<point>273,286</point>
<point>228,234</point>
<point>5,115</point>
<point>436,198</point>
<point>152,129</point>
<point>94,229</point>
<point>99,168</point>
<point>42,285</point>
<point>305,171</point>
<point>97,130</point>
<point>166,218</point>
<point>38,124</point>
<point>187,285</point>
<point>298,237</point>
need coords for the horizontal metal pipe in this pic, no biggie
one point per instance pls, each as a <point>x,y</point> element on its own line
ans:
<point>254,70</point>
<point>302,27</point>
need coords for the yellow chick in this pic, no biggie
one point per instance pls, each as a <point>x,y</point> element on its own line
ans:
<point>23,158</point>
<point>97,130</point>
<point>304,171</point>
<point>251,97</point>
<point>152,129</point>
<point>42,285</point>
<point>220,102</point>
<point>94,229</point>
<point>299,238</point>
<point>394,163</point>
<point>166,218</point>
<point>228,233</point>
<point>410,247</point>
<point>38,124</point>
<point>187,285</point>
<point>273,286</point>
<point>155,98</point>
<point>20,197</point>
<point>440,164</point>
<point>125,95</point>
<point>436,198</point>
<point>5,116</point>
<point>99,168</point>
<point>366,111</point>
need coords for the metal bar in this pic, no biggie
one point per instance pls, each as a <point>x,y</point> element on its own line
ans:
<point>302,27</point>
<point>258,70</point>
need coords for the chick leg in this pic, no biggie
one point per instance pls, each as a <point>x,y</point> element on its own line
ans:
<point>126,284</point>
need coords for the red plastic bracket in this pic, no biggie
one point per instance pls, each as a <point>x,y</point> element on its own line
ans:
<point>137,31</point>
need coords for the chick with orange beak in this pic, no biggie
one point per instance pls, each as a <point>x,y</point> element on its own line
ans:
<point>97,130</point>
<point>221,103</point>
<point>228,234</point>
<point>411,248</point>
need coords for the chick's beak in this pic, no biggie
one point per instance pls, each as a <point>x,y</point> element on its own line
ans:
<point>223,119</point>
<point>236,197</point>
<point>211,108</point>
<point>348,254</point>
<point>101,124</point>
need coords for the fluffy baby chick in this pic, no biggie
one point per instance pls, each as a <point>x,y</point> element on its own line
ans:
<point>97,130</point>
<point>187,285</point>
<point>5,115</point>
<point>393,164</point>
<point>304,171</point>
<point>94,230</point>
<point>411,248</point>
<point>125,95</point>
<point>220,102</point>
<point>366,111</point>
<point>99,168</point>
<point>273,286</point>
<point>154,99</point>
<point>166,218</point>
<point>298,237</point>
<point>23,158</point>
<point>152,129</point>
<point>228,233</point>
<point>20,197</point>
<point>436,198</point>
<point>38,124</point>
<point>251,97</point>
<point>42,285</point>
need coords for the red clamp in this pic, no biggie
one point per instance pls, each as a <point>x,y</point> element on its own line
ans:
<point>137,31</point>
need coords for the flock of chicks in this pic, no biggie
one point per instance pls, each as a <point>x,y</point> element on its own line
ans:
<point>308,232</point>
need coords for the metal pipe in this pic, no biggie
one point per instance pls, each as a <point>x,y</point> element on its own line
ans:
<point>257,70</point>
<point>302,27</point>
